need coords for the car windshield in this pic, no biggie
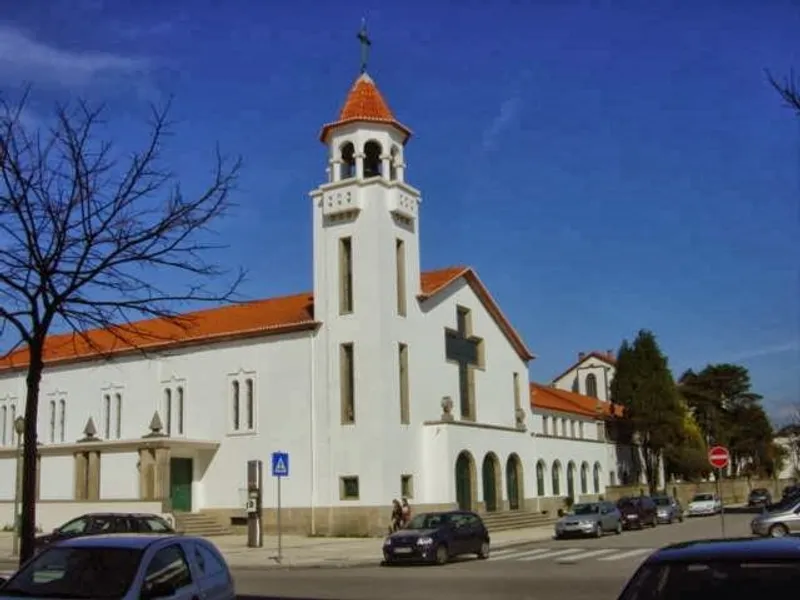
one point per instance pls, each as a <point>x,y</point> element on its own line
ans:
<point>758,491</point>
<point>661,501</point>
<point>786,504</point>
<point>704,580</point>
<point>703,498</point>
<point>429,521</point>
<point>64,572</point>
<point>586,509</point>
<point>627,503</point>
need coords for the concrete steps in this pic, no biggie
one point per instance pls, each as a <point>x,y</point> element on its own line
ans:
<point>199,524</point>
<point>515,519</point>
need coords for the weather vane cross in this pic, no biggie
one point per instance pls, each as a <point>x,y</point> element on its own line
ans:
<point>365,44</point>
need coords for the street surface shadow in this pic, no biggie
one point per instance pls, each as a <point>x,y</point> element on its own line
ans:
<point>251,597</point>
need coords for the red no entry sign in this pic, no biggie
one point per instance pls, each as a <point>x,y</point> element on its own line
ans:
<point>719,457</point>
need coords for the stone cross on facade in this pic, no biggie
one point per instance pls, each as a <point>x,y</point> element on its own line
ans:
<point>465,350</point>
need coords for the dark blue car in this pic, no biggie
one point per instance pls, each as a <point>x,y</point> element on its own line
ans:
<point>437,537</point>
<point>711,569</point>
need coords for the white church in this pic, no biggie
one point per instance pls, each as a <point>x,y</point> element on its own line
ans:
<point>383,382</point>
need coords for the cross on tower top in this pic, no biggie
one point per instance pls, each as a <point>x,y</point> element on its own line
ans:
<point>365,44</point>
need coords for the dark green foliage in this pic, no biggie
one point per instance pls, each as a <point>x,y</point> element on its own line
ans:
<point>643,385</point>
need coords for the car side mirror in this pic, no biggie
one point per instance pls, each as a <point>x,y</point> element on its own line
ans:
<point>160,589</point>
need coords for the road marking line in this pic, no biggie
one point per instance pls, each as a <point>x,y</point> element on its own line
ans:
<point>503,551</point>
<point>590,554</point>
<point>520,554</point>
<point>629,554</point>
<point>553,554</point>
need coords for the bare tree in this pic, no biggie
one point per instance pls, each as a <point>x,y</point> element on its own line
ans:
<point>82,232</point>
<point>788,90</point>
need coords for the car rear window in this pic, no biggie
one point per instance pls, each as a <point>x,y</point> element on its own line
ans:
<point>713,579</point>
<point>703,498</point>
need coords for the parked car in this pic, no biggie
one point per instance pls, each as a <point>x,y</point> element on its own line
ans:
<point>590,518</point>
<point>668,509</point>
<point>105,523</point>
<point>743,568</point>
<point>134,567</point>
<point>436,537</point>
<point>638,512</point>
<point>703,505</point>
<point>791,491</point>
<point>759,497</point>
<point>779,519</point>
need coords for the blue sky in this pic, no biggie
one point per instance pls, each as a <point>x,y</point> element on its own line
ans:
<point>605,167</point>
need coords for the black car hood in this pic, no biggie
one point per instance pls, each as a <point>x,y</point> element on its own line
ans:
<point>415,533</point>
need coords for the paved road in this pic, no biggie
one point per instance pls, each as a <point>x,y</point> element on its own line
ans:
<point>546,570</point>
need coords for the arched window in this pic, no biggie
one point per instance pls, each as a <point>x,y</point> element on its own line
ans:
<point>5,425</point>
<point>540,478</point>
<point>372,159</point>
<point>52,421</point>
<point>180,410</point>
<point>62,419</point>
<point>118,424</point>
<point>107,416</point>
<point>591,385</point>
<point>572,428</point>
<point>584,478</point>
<point>168,410</point>
<point>545,425</point>
<point>250,407</point>
<point>556,477</point>
<point>596,478</point>
<point>236,408</point>
<point>348,158</point>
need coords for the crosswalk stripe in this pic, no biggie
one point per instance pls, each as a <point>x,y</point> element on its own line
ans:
<point>590,554</point>
<point>629,554</point>
<point>520,555</point>
<point>553,554</point>
<point>504,551</point>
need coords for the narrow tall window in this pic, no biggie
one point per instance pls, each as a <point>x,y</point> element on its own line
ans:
<point>107,416</point>
<point>62,419</point>
<point>348,380</point>
<point>168,410</point>
<point>180,409</point>
<point>345,275</point>
<point>405,416</point>
<point>249,398</point>
<point>13,420</point>
<point>235,407</point>
<point>400,266</point>
<point>5,425</point>
<point>118,421</point>
<point>591,385</point>
<point>517,399</point>
<point>52,421</point>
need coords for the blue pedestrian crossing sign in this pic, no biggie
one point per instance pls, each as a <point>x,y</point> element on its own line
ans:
<point>280,464</point>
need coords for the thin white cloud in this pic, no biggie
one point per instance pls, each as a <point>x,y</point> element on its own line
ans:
<point>506,116</point>
<point>790,346</point>
<point>23,58</point>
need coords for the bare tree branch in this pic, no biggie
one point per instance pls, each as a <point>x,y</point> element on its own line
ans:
<point>788,90</point>
<point>82,233</point>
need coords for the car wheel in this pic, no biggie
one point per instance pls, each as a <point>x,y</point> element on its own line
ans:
<point>778,530</point>
<point>442,555</point>
<point>598,530</point>
<point>618,529</point>
<point>483,553</point>
<point>655,522</point>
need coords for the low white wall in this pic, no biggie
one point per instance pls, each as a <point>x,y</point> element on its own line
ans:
<point>50,515</point>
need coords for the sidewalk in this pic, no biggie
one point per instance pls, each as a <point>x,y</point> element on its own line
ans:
<point>301,551</point>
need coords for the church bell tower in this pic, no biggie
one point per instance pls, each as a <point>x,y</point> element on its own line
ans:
<point>366,282</point>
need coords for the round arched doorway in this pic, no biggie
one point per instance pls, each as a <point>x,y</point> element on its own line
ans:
<point>571,480</point>
<point>465,481</point>
<point>490,473</point>
<point>514,484</point>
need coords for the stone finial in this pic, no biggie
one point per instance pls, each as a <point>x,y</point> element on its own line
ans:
<point>90,432</point>
<point>447,409</point>
<point>519,415</point>
<point>156,426</point>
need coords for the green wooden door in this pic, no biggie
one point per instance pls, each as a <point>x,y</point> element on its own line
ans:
<point>463,483</point>
<point>512,482</point>
<point>489,485</point>
<point>180,484</point>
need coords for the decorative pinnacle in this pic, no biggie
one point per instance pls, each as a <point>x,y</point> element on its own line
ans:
<point>363,37</point>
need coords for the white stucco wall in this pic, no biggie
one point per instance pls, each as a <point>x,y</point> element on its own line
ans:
<point>119,476</point>
<point>574,380</point>
<point>57,478</point>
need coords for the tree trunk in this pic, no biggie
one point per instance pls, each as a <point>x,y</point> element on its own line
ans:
<point>651,463</point>
<point>29,453</point>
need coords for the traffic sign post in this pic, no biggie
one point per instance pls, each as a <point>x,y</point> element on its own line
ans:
<point>719,458</point>
<point>280,469</point>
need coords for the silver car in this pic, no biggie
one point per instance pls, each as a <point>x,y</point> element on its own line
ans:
<point>778,520</point>
<point>590,518</point>
<point>668,509</point>
<point>134,567</point>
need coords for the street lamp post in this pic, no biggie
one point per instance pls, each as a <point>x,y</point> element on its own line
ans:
<point>19,429</point>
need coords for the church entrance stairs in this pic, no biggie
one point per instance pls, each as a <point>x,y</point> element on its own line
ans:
<point>515,519</point>
<point>199,524</point>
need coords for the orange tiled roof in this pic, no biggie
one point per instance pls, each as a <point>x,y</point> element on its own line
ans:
<point>364,103</point>
<point>550,398</point>
<point>260,317</point>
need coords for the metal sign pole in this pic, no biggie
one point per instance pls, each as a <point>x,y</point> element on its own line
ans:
<point>721,503</point>
<point>280,544</point>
